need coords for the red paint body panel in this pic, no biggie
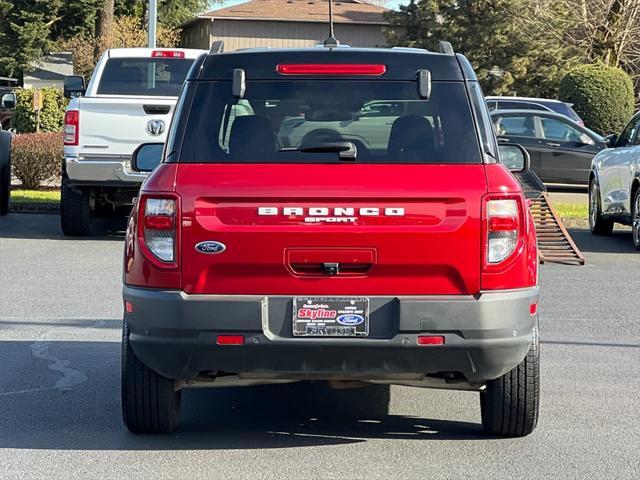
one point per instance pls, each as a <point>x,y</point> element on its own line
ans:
<point>438,247</point>
<point>433,249</point>
<point>520,270</point>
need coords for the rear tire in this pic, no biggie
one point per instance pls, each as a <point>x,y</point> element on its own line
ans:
<point>150,403</point>
<point>635,218</point>
<point>510,403</point>
<point>75,210</point>
<point>597,223</point>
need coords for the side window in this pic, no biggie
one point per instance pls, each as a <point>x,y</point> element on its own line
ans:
<point>631,133</point>
<point>484,120</point>
<point>492,104</point>
<point>516,125</point>
<point>520,105</point>
<point>554,129</point>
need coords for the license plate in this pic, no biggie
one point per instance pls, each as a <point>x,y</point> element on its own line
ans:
<point>330,317</point>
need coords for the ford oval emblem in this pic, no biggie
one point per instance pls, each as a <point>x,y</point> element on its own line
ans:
<point>211,246</point>
<point>350,319</point>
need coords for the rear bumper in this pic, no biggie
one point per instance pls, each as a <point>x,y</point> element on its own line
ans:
<point>102,171</point>
<point>485,336</point>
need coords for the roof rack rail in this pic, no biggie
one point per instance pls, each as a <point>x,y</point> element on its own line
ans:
<point>446,47</point>
<point>410,49</point>
<point>216,47</point>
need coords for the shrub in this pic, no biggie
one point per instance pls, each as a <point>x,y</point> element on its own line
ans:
<point>51,115</point>
<point>36,158</point>
<point>601,95</point>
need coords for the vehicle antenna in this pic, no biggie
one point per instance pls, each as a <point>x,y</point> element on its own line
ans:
<point>332,41</point>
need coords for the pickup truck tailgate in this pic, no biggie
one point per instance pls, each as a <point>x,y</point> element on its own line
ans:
<point>117,126</point>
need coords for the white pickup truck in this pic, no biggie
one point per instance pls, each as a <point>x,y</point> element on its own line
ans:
<point>129,101</point>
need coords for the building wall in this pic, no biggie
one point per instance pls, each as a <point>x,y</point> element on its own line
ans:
<point>257,33</point>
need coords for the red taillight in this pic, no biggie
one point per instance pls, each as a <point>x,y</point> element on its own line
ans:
<point>159,227</point>
<point>503,220</point>
<point>158,222</point>
<point>430,340</point>
<point>167,54</point>
<point>331,69</point>
<point>71,129</point>
<point>230,340</point>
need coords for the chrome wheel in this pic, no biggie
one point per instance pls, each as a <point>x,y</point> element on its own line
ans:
<point>635,227</point>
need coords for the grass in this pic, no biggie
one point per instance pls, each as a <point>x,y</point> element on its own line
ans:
<point>35,196</point>
<point>572,210</point>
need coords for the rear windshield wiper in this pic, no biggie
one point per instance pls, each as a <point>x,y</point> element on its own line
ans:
<point>346,150</point>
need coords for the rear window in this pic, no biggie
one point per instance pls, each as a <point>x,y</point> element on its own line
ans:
<point>564,109</point>
<point>520,105</point>
<point>144,76</point>
<point>279,121</point>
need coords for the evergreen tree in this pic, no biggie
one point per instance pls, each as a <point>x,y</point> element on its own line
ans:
<point>25,32</point>
<point>495,35</point>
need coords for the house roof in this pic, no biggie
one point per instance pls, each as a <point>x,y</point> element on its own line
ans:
<point>345,11</point>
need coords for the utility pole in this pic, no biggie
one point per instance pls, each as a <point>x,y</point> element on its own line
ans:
<point>153,17</point>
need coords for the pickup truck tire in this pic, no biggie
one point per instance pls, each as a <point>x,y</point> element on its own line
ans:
<point>150,403</point>
<point>510,403</point>
<point>597,223</point>
<point>75,211</point>
<point>5,172</point>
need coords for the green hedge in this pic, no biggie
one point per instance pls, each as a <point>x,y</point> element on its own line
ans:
<point>601,95</point>
<point>51,116</point>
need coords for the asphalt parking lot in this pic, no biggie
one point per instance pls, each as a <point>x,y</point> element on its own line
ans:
<point>60,312</point>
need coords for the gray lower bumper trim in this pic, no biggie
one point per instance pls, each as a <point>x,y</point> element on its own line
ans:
<point>486,335</point>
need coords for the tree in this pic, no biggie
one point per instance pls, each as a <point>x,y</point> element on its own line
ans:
<point>125,32</point>
<point>25,32</point>
<point>172,13</point>
<point>606,31</point>
<point>506,57</point>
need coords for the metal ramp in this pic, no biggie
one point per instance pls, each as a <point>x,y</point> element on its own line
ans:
<point>554,242</point>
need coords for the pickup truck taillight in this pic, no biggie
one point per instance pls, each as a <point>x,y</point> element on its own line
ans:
<point>71,127</point>
<point>158,224</point>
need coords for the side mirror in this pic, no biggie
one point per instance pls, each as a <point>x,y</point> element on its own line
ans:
<point>514,157</point>
<point>147,157</point>
<point>611,140</point>
<point>74,86</point>
<point>8,101</point>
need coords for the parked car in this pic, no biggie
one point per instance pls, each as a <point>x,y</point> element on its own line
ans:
<point>614,184</point>
<point>407,261</point>
<point>7,106</point>
<point>561,150</point>
<point>532,103</point>
<point>129,101</point>
<point>5,170</point>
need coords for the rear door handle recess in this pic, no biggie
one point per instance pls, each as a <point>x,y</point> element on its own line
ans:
<point>552,144</point>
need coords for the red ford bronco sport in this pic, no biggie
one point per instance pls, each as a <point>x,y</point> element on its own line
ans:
<point>332,214</point>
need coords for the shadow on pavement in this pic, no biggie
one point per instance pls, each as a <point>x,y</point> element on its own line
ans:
<point>47,226</point>
<point>618,242</point>
<point>36,415</point>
